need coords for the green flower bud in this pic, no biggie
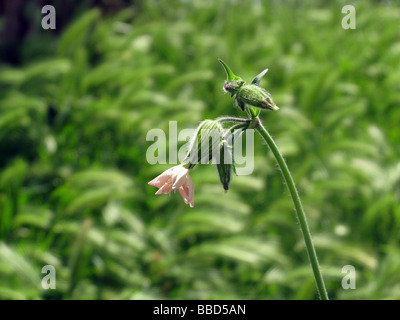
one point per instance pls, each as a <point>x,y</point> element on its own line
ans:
<point>233,86</point>
<point>204,143</point>
<point>255,96</point>
<point>250,94</point>
<point>225,165</point>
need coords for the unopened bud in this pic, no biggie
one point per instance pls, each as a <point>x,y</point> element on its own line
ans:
<point>225,165</point>
<point>204,143</point>
<point>255,96</point>
<point>248,94</point>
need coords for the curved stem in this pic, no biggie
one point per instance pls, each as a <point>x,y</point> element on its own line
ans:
<point>299,209</point>
<point>233,119</point>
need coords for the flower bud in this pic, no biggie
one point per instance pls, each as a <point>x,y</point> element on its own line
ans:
<point>255,96</point>
<point>225,164</point>
<point>204,143</point>
<point>233,86</point>
<point>251,94</point>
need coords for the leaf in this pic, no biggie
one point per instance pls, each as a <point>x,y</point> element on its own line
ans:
<point>20,266</point>
<point>257,79</point>
<point>229,73</point>
<point>74,36</point>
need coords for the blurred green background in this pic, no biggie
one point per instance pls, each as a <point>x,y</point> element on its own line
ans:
<point>76,104</point>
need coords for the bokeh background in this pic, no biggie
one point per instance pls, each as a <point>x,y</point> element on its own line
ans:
<point>76,104</point>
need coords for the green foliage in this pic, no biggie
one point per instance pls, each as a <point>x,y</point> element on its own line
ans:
<point>73,171</point>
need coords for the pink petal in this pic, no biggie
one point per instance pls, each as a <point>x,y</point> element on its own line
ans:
<point>191,189</point>
<point>161,179</point>
<point>191,197</point>
<point>180,178</point>
<point>184,195</point>
<point>154,183</point>
<point>166,188</point>
<point>158,181</point>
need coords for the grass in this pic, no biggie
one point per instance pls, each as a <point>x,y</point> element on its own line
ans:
<point>73,175</point>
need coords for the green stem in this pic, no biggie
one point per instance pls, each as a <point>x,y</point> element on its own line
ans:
<point>233,119</point>
<point>299,209</point>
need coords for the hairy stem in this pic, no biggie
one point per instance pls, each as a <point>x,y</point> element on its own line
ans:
<point>301,216</point>
<point>233,119</point>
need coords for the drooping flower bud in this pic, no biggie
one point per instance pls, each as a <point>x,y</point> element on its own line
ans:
<point>204,144</point>
<point>225,165</point>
